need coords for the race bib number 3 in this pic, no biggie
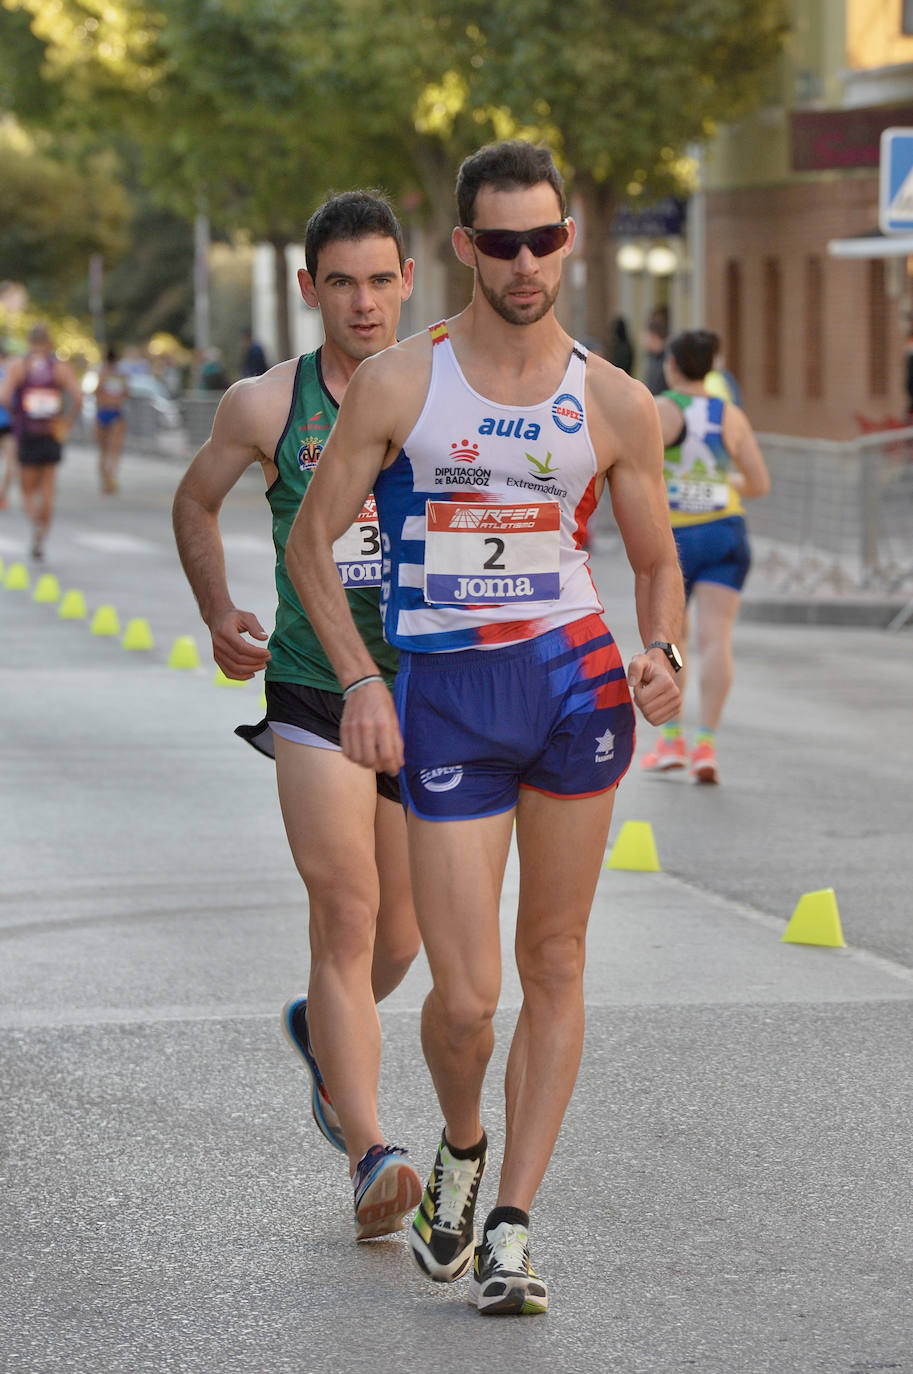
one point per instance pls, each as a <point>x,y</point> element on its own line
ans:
<point>481,554</point>
<point>357,552</point>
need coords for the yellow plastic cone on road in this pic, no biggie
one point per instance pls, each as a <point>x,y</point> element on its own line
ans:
<point>16,577</point>
<point>138,635</point>
<point>222,681</point>
<point>47,588</point>
<point>635,849</point>
<point>73,606</point>
<point>184,653</point>
<point>815,921</point>
<point>105,621</point>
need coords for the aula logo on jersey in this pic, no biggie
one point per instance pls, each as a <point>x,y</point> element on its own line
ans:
<point>567,412</point>
<point>510,429</point>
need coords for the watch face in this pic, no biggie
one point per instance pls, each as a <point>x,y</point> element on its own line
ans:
<point>675,656</point>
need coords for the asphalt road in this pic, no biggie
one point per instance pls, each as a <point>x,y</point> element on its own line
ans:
<point>732,1188</point>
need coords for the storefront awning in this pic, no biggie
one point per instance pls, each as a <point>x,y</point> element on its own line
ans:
<point>872,246</point>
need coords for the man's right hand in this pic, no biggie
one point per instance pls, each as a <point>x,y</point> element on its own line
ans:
<point>235,655</point>
<point>369,730</point>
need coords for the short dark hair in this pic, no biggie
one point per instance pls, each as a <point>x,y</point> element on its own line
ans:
<point>694,351</point>
<point>506,166</point>
<point>351,215</point>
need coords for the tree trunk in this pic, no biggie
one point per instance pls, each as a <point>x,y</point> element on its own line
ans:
<point>283,325</point>
<point>599,204</point>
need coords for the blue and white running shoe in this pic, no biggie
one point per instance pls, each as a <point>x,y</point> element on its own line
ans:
<point>294,1023</point>
<point>386,1189</point>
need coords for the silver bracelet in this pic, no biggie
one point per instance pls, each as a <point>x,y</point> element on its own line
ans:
<point>360,682</point>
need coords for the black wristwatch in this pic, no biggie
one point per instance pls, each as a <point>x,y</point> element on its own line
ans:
<point>671,651</point>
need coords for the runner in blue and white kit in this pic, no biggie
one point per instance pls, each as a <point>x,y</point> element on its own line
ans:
<point>488,441</point>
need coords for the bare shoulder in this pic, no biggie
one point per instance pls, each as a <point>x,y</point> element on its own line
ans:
<point>392,385</point>
<point>253,411</point>
<point>621,410</point>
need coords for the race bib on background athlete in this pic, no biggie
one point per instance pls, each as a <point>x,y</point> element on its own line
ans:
<point>357,552</point>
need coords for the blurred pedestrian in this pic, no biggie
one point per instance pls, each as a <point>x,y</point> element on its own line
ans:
<point>712,464</point>
<point>110,420</point>
<point>656,334</point>
<point>43,395</point>
<point>621,350</point>
<point>7,438</point>
<point>213,376</point>
<point>253,358</point>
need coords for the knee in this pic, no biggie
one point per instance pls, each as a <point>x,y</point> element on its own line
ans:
<point>552,967</point>
<point>341,929</point>
<point>465,1012</point>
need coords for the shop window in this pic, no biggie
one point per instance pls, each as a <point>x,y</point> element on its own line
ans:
<point>732,343</point>
<point>814,328</point>
<point>878,329</point>
<point>772,309</point>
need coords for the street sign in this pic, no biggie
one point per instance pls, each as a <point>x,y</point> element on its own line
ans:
<point>895,182</point>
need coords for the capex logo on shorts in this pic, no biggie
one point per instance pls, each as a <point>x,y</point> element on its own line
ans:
<point>441,779</point>
<point>567,412</point>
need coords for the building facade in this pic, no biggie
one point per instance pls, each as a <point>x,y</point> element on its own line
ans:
<point>812,303</point>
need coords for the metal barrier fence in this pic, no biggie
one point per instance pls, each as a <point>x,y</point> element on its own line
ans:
<point>839,515</point>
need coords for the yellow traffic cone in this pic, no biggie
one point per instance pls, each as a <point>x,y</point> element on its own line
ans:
<point>184,653</point>
<point>635,849</point>
<point>105,621</point>
<point>222,681</point>
<point>16,578</point>
<point>138,635</point>
<point>73,606</point>
<point>47,588</point>
<point>815,921</point>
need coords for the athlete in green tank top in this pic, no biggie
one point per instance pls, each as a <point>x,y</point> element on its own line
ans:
<point>297,655</point>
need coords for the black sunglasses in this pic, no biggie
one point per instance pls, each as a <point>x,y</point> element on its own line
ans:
<point>506,243</point>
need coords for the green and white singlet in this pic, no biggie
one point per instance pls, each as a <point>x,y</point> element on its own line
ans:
<point>297,654</point>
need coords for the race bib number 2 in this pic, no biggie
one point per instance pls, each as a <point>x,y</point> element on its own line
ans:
<point>357,552</point>
<point>479,554</point>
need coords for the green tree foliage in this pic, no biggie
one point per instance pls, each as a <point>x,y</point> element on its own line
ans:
<point>55,215</point>
<point>254,109</point>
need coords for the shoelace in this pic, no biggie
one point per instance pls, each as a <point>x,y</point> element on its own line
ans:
<point>454,1186</point>
<point>368,1161</point>
<point>507,1244</point>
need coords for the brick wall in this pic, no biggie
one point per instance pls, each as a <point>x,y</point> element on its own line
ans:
<point>813,339</point>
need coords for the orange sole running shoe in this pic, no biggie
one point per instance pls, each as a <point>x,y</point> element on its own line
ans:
<point>703,764</point>
<point>668,755</point>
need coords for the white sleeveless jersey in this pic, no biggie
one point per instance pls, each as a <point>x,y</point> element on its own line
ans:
<point>483,515</point>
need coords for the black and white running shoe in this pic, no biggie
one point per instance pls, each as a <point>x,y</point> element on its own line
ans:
<point>442,1237</point>
<point>504,1282</point>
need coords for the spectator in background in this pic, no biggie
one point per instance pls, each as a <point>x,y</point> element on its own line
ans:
<point>213,376</point>
<point>656,333</point>
<point>621,350</point>
<point>253,359</point>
